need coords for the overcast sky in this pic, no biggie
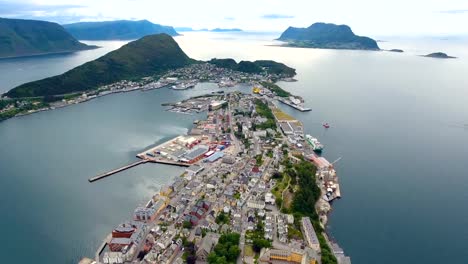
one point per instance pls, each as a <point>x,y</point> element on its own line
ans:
<point>366,17</point>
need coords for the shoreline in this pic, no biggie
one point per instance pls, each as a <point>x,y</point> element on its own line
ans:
<point>47,53</point>
<point>204,170</point>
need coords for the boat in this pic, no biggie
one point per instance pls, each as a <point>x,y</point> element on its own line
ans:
<point>299,107</point>
<point>326,125</point>
<point>316,145</point>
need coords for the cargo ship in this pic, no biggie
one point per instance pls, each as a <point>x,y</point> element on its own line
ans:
<point>316,145</point>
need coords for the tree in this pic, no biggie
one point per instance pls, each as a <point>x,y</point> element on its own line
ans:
<point>227,250</point>
<point>187,224</point>
<point>258,244</point>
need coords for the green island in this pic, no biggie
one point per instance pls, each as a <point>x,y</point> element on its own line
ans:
<point>327,36</point>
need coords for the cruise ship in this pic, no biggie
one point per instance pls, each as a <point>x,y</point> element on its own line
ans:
<point>316,145</point>
<point>184,85</point>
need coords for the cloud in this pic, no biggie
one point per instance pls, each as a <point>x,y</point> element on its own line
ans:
<point>276,16</point>
<point>454,11</point>
<point>63,13</point>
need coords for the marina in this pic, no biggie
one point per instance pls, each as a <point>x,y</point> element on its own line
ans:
<point>225,175</point>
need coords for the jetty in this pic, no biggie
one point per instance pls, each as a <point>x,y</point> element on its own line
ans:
<point>168,162</point>
<point>107,174</point>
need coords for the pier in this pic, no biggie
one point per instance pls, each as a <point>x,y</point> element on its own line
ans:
<point>146,157</point>
<point>168,162</point>
<point>107,174</point>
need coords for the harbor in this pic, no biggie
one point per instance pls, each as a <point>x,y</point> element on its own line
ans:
<point>230,174</point>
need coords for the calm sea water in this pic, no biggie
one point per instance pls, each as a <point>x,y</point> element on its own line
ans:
<point>398,122</point>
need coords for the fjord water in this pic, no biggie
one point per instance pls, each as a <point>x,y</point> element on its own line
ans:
<point>32,68</point>
<point>397,121</point>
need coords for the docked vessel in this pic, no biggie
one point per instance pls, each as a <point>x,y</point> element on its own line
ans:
<point>316,145</point>
<point>295,105</point>
<point>184,86</point>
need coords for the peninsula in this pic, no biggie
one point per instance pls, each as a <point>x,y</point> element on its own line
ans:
<point>253,191</point>
<point>151,62</point>
<point>19,37</point>
<point>327,36</point>
<point>115,30</point>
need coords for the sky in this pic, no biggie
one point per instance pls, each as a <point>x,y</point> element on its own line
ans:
<point>366,17</point>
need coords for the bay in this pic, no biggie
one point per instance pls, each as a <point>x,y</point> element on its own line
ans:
<point>397,121</point>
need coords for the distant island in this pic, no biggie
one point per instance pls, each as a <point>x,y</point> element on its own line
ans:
<point>19,37</point>
<point>226,30</point>
<point>439,55</point>
<point>327,36</point>
<point>219,30</point>
<point>119,29</point>
<point>396,50</point>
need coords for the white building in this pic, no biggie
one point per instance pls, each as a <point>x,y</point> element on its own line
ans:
<point>256,204</point>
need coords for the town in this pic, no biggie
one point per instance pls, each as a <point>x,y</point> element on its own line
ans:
<point>254,190</point>
<point>178,79</point>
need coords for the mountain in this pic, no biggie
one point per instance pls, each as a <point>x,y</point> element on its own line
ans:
<point>439,55</point>
<point>20,37</point>
<point>226,30</point>
<point>184,29</point>
<point>189,29</point>
<point>147,56</point>
<point>258,66</point>
<point>120,29</point>
<point>327,36</point>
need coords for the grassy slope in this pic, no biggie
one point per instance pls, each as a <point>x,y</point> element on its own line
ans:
<point>29,37</point>
<point>146,56</point>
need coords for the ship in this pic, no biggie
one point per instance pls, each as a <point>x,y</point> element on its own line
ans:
<point>184,86</point>
<point>316,145</point>
<point>295,105</point>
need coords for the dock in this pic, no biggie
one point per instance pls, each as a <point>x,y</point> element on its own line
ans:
<point>168,162</point>
<point>144,158</point>
<point>102,247</point>
<point>107,174</point>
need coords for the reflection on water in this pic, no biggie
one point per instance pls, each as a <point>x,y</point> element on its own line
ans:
<point>397,121</point>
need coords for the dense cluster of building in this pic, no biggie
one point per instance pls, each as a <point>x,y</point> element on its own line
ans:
<point>227,187</point>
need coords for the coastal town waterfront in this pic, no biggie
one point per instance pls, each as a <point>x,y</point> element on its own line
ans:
<point>245,162</point>
<point>179,79</point>
<point>387,170</point>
